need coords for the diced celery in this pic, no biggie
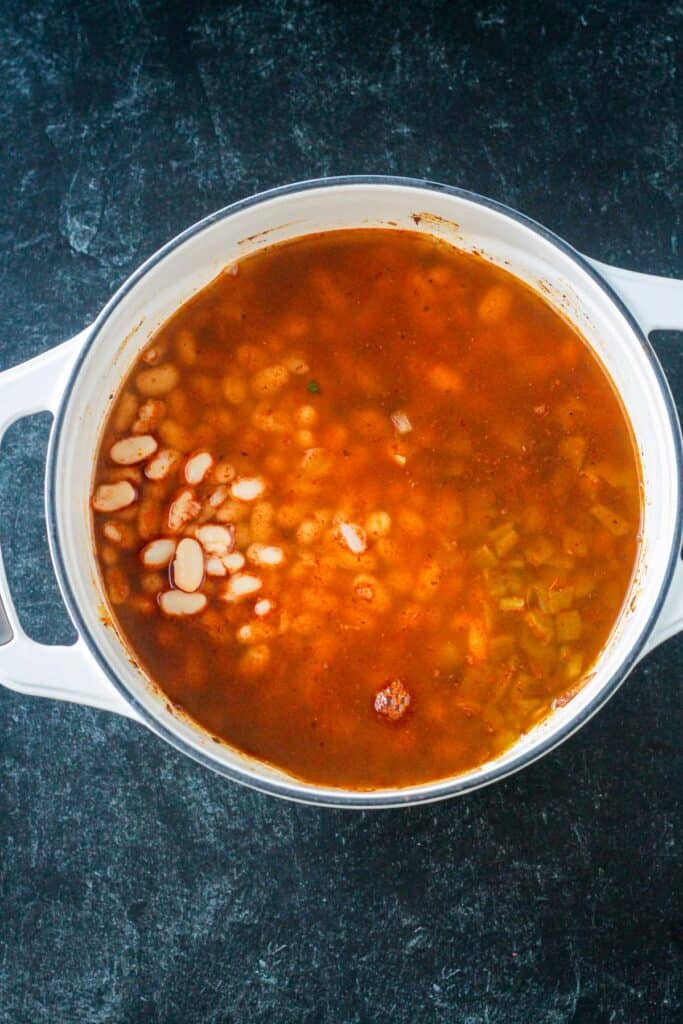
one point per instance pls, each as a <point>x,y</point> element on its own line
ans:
<point>568,626</point>
<point>574,543</point>
<point>571,413</point>
<point>541,625</point>
<point>500,531</point>
<point>573,449</point>
<point>534,518</point>
<point>561,562</point>
<point>555,599</point>
<point>495,582</point>
<point>477,641</point>
<point>488,617</point>
<point>511,604</point>
<point>450,656</point>
<point>484,558</point>
<point>502,647</point>
<point>505,544</point>
<point>611,520</point>
<point>539,551</point>
<point>584,584</point>
<point>615,476</point>
<point>574,666</point>
<point>514,582</point>
<point>534,647</point>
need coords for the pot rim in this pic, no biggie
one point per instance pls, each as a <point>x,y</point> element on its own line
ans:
<point>292,789</point>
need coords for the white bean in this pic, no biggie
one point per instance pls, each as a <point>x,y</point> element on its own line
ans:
<point>306,416</point>
<point>114,497</point>
<point>178,603</point>
<point>215,566</point>
<point>309,531</point>
<point>197,467</point>
<point>130,450</point>
<point>157,381</point>
<point>158,553</point>
<point>153,354</point>
<point>270,380</point>
<point>378,524</point>
<point>112,531</point>
<point>161,465</point>
<point>241,585</point>
<point>223,473</point>
<point>182,510</point>
<point>265,554</point>
<point>295,364</point>
<point>354,537</point>
<point>217,497</point>
<point>248,488</point>
<point>150,415</point>
<point>188,565</point>
<point>234,562</point>
<point>216,540</point>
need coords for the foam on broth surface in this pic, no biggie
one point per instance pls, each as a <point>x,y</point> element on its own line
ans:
<point>381,508</point>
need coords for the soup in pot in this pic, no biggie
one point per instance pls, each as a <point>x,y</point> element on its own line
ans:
<point>367,508</point>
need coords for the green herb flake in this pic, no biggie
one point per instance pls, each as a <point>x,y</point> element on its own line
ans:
<point>313,387</point>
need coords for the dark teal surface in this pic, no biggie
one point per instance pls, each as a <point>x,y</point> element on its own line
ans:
<point>138,887</point>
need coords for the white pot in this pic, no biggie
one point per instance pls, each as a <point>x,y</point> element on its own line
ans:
<point>613,309</point>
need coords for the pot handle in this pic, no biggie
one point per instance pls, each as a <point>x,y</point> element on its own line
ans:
<point>657,305</point>
<point>655,302</point>
<point>62,672</point>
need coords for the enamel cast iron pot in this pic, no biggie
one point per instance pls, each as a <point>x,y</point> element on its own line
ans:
<point>613,309</point>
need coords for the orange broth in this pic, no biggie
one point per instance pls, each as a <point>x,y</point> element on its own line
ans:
<point>423,500</point>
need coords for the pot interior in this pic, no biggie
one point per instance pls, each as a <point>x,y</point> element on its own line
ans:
<point>190,262</point>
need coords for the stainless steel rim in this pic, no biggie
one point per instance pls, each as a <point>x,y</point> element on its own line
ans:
<point>293,790</point>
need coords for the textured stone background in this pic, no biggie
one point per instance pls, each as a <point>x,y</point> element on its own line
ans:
<point>137,887</point>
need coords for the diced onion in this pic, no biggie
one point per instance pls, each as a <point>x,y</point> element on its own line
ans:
<point>401,422</point>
